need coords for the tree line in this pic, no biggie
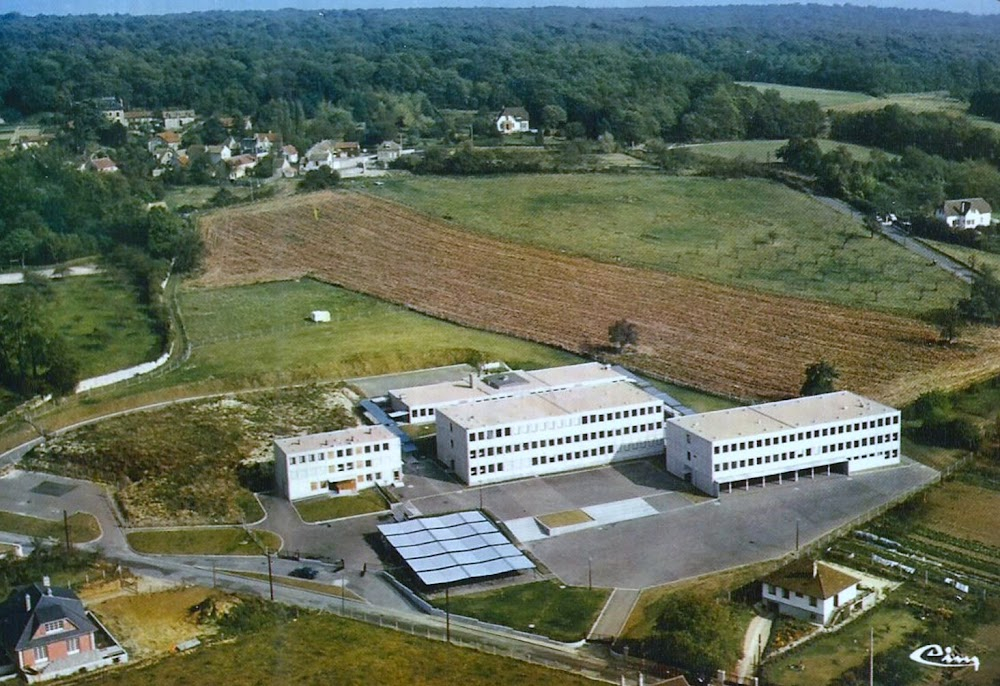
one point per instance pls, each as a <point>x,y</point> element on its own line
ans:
<point>638,73</point>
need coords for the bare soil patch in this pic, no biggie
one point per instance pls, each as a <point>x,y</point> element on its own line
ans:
<point>717,338</point>
<point>153,623</point>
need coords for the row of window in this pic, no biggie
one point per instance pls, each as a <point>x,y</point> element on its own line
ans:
<point>804,435</point>
<point>489,434</point>
<point>486,469</point>
<point>782,457</point>
<point>361,478</point>
<point>562,440</point>
<point>578,455</point>
<point>858,443</point>
<point>340,452</point>
<point>41,653</point>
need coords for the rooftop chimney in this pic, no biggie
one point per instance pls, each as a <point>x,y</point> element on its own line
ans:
<point>815,569</point>
<point>27,602</point>
<point>47,583</point>
<point>472,382</point>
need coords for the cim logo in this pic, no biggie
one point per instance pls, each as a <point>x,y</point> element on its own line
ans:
<point>935,656</point>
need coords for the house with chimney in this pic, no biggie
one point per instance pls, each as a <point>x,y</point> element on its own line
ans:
<point>966,213</point>
<point>809,590</point>
<point>46,633</point>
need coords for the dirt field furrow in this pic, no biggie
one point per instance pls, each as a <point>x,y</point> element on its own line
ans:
<point>695,332</point>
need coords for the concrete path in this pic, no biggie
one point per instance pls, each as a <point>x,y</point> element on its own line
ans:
<point>11,278</point>
<point>753,646</point>
<point>616,612</point>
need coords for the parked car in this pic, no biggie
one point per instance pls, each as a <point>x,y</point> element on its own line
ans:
<point>304,573</point>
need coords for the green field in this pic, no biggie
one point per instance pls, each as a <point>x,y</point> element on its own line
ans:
<point>977,259</point>
<point>549,608</point>
<point>766,151</point>
<point>324,509</point>
<point>825,98</point>
<point>826,657</point>
<point>83,527</point>
<point>217,541</point>
<point>318,649</point>
<point>748,233</point>
<point>104,325</point>
<point>261,333</point>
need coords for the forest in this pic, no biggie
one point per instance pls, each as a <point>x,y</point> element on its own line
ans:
<point>638,73</point>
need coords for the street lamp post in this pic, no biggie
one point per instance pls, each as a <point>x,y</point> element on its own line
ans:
<point>343,586</point>
<point>590,573</point>
<point>270,574</point>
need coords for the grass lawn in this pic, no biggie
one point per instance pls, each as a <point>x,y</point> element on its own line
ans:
<point>260,334</point>
<point>104,325</point>
<point>322,648</point>
<point>179,196</point>
<point>83,527</point>
<point>561,613</point>
<point>698,401</point>
<point>324,508</point>
<point>964,511</point>
<point>824,97</point>
<point>153,623</point>
<point>824,658</point>
<point>749,233</point>
<point>565,518</point>
<point>766,151</point>
<point>219,541</point>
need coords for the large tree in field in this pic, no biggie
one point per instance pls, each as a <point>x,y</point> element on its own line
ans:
<point>698,633</point>
<point>622,334</point>
<point>34,358</point>
<point>819,378</point>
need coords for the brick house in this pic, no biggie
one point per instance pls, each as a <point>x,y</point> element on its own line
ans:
<point>46,633</point>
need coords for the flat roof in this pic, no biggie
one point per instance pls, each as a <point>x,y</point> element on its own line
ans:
<point>353,436</point>
<point>554,403</point>
<point>796,413</point>
<point>517,382</point>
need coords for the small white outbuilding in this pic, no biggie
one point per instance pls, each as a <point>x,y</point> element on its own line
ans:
<point>319,316</point>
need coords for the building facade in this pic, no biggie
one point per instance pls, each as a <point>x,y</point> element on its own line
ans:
<point>513,120</point>
<point>342,462</point>
<point>809,590</point>
<point>549,432</point>
<point>839,431</point>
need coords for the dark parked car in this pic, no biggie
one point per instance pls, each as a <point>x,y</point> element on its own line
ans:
<point>304,573</point>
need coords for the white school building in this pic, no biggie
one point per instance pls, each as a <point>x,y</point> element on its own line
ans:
<point>548,432</point>
<point>839,431</point>
<point>342,462</point>
<point>420,403</point>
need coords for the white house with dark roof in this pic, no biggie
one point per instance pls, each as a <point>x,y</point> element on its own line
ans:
<point>341,462</point>
<point>840,431</point>
<point>966,213</point>
<point>809,590</point>
<point>513,120</point>
<point>47,633</point>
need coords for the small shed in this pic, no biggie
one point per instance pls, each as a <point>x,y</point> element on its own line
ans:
<point>319,316</point>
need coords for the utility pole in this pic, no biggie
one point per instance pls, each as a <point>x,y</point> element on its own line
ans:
<point>590,573</point>
<point>66,529</point>
<point>343,586</point>
<point>796,535</point>
<point>447,614</point>
<point>270,574</point>
<point>871,656</point>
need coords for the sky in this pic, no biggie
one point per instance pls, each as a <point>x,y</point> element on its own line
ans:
<point>32,7</point>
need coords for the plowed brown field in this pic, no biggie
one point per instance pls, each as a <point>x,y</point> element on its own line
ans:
<point>695,332</point>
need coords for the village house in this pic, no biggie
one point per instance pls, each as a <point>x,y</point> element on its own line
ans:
<point>809,590</point>
<point>389,151</point>
<point>264,142</point>
<point>104,165</point>
<point>513,120</point>
<point>218,153</point>
<point>966,213</point>
<point>136,119</point>
<point>240,165</point>
<point>47,633</point>
<point>170,139</point>
<point>112,109</point>
<point>177,119</point>
<point>291,154</point>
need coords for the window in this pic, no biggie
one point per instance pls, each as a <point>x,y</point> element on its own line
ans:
<point>53,627</point>
<point>41,654</point>
<point>73,645</point>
